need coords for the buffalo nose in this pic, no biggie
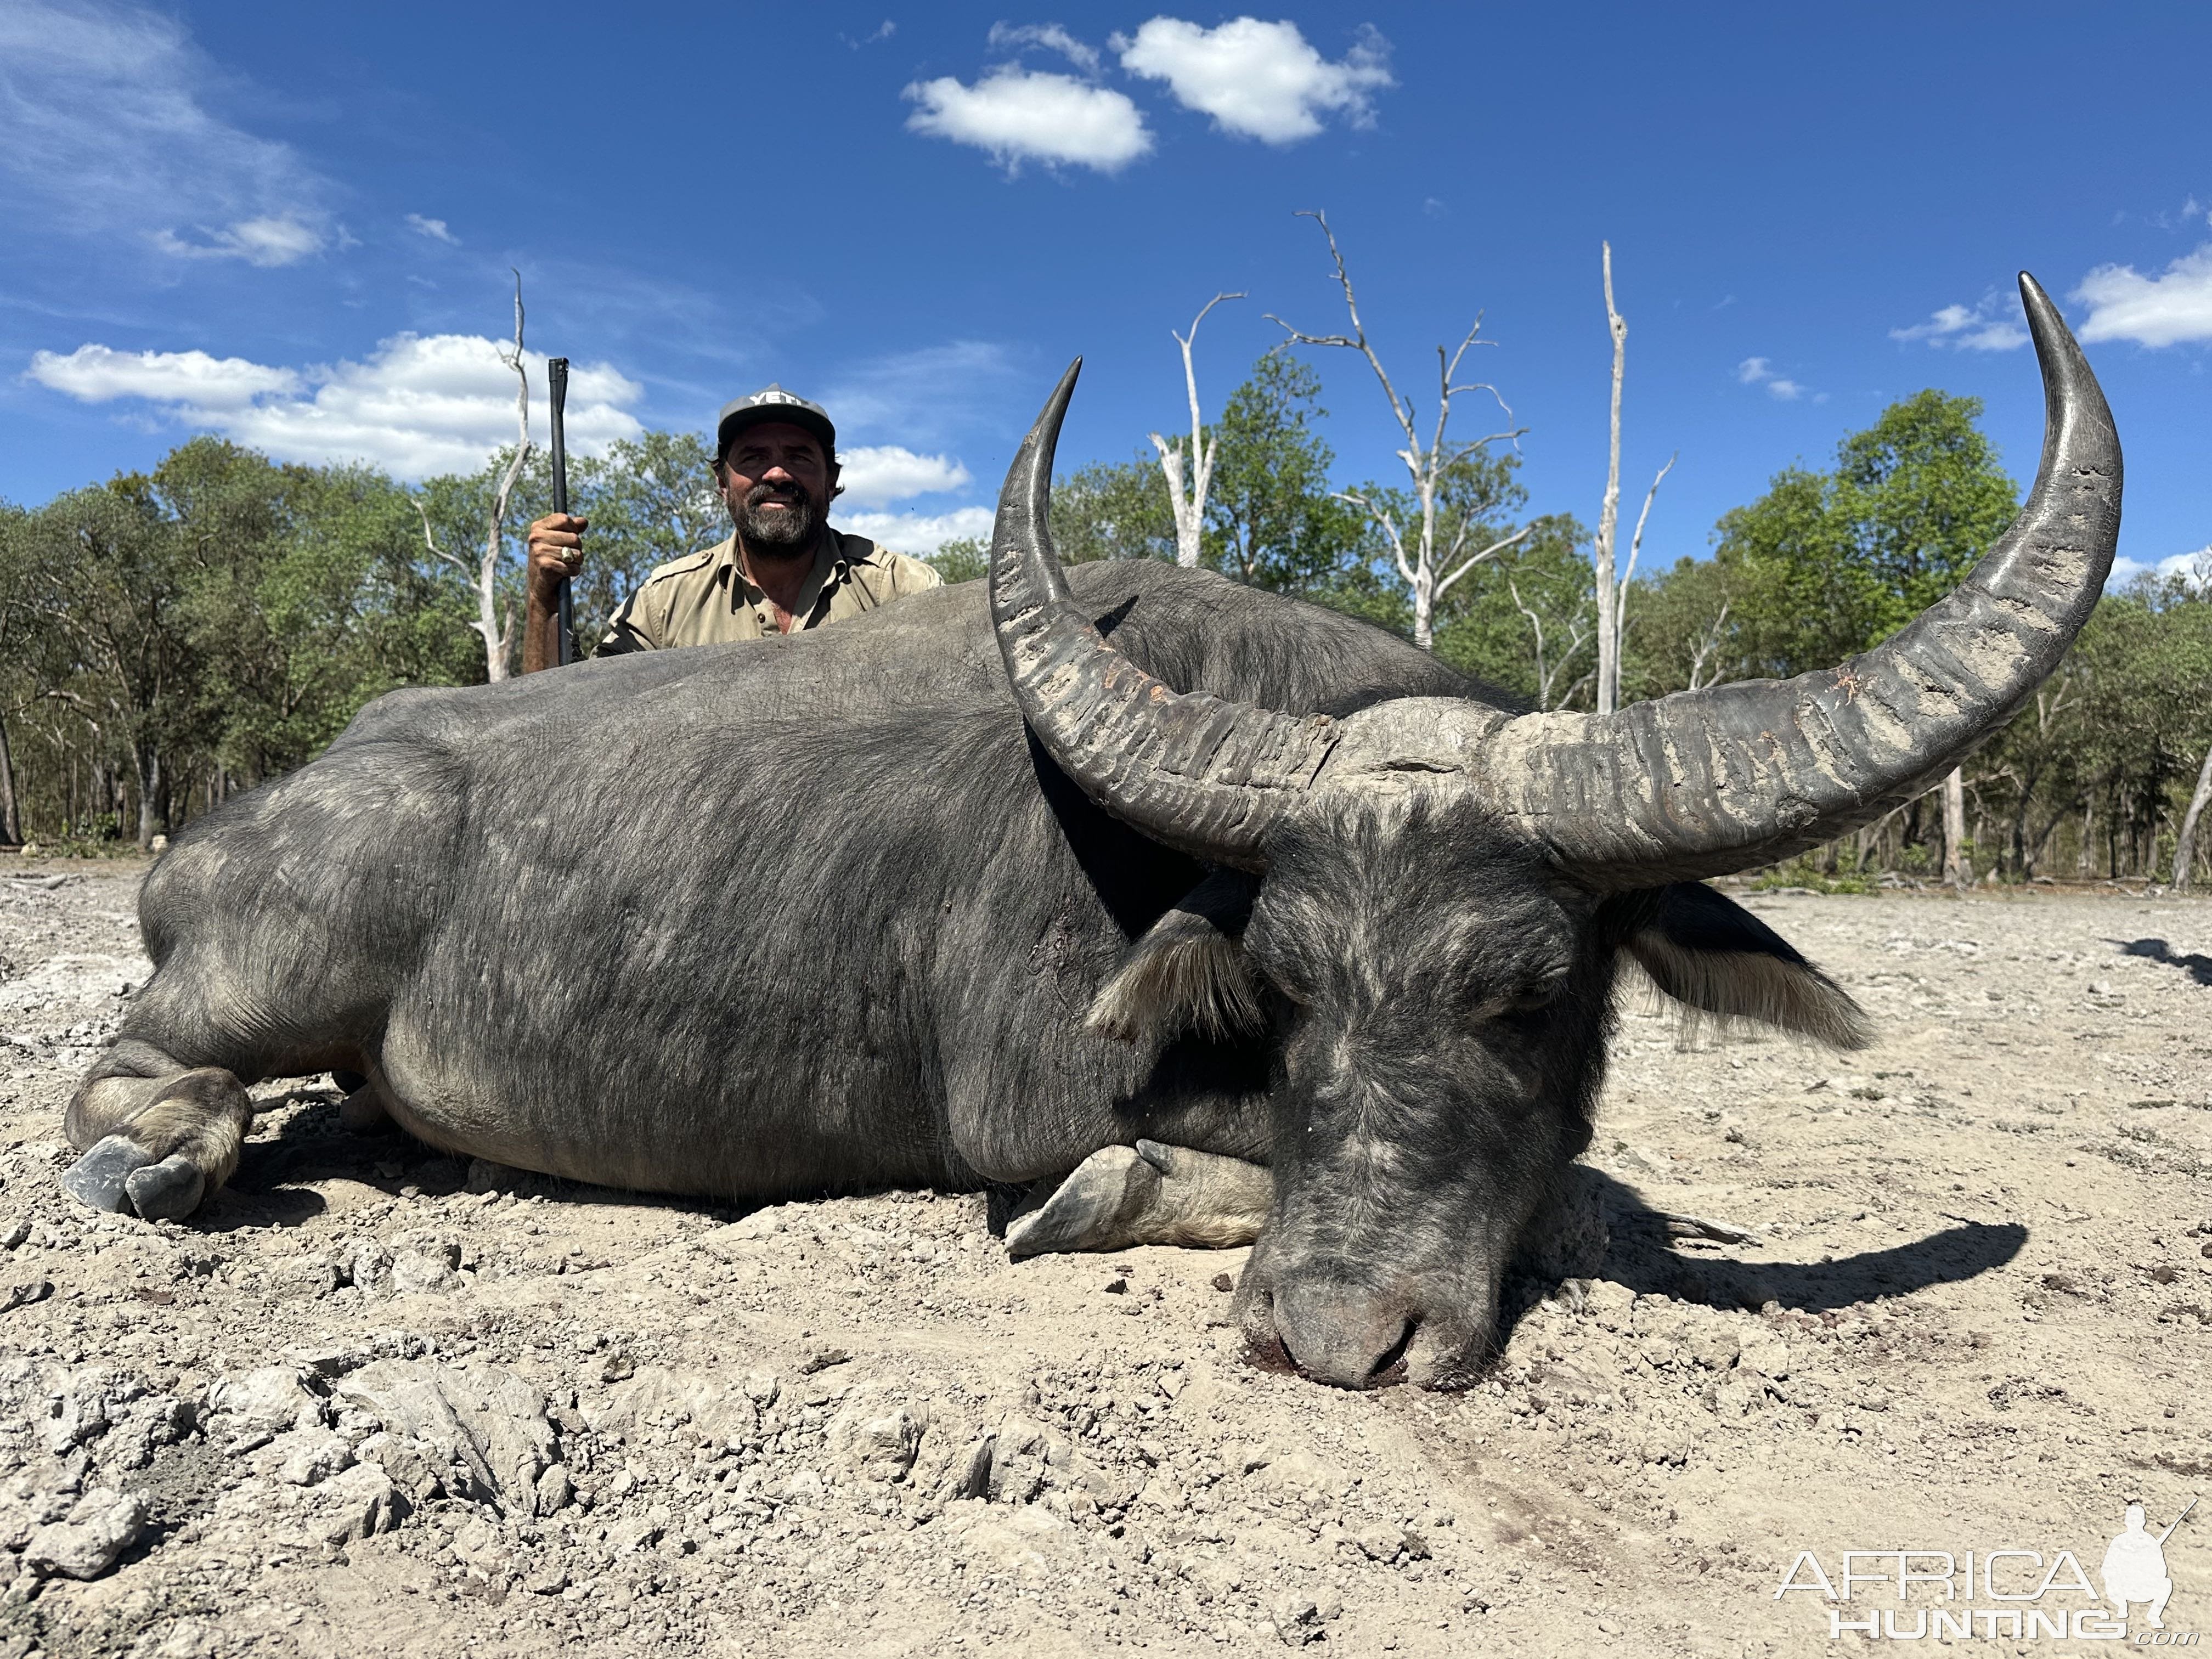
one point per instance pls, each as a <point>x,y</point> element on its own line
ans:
<point>1339,1333</point>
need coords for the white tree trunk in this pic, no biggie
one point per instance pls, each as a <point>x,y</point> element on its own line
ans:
<point>495,628</point>
<point>1608,513</point>
<point>498,630</point>
<point>1955,870</point>
<point>2185,844</point>
<point>1189,507</point>
<point>1427,461</point>
<point>11,821</point>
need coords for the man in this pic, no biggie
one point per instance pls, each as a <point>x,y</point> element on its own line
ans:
<point>2135,1568</point>
<point>783,569</point>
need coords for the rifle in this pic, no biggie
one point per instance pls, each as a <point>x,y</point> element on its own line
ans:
<point>556,375</point>
<point>2178,1520</point>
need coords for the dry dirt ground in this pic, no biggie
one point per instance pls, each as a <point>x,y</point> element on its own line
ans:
<point>372,1402</point>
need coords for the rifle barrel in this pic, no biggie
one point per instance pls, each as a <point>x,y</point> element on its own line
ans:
<point>556,377</point>
<point>2176,1520</point>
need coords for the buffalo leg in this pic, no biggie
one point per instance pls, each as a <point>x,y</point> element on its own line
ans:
<point>1149,1194</point>
<point>157,1136</point>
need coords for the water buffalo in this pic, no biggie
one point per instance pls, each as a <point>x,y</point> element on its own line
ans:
<point>1212,915</point>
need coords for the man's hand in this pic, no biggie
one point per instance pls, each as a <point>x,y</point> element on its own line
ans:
<point>556,551</point>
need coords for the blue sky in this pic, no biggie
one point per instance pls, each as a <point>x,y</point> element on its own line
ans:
<point>295,224</point>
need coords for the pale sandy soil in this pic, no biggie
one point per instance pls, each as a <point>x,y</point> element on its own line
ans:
<point>377,1403</point>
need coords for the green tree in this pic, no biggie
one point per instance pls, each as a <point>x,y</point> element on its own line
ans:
<point>650,499</point>
<point>116,584</point>
<point>2119,734</point>
<point>18,683</point>
<point>1826,564</point>
<point>1525,619</point>
<point>1680,636</point>
<point>1922,496</point>
<point>1113,510</point>
<point>963,559</point>
<point>1271,520</point>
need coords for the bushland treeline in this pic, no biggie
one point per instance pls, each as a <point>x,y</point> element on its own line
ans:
<point>167,638</point>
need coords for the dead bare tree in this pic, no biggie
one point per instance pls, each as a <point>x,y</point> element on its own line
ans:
<point>495,622</point>
<point>11,816</point>
<point>2185,842</point>
<point>1706,654</point>
<point>1956,871</point>
<point>1428,571</point>
<point>1612,587</point>
<point>1549,693</point>
<point>1189,508</point>
<point>11,819</point>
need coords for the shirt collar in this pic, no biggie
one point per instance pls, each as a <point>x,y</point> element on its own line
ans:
<point>834,555</point>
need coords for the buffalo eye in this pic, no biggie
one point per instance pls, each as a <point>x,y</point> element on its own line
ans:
<point>1529,998</point>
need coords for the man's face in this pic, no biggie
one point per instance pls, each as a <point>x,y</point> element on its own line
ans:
<point>776,482</point>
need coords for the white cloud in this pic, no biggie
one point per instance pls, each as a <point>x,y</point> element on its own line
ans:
<point>1258,79</point>
<point>918,532</point>
<point>98,374</point>
<point>1052,37</point>
<point>2153,311</point>
<point>264,242</point>
<point>2197,567</point>
<point>418,405</point>
<point>1760,371</point>
<point>1016,115</point>
<point>106,126</point>
<point>879,475</point>
<point>433,228</point>
<point>1968,328</point>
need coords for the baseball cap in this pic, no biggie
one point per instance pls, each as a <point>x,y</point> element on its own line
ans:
<point>773,403</point>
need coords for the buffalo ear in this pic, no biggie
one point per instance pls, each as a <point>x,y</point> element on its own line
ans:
<point>1714,956</point>
<point>1188,972</point>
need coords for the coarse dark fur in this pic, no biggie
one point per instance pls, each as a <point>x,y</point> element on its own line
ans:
<point>816,913</point>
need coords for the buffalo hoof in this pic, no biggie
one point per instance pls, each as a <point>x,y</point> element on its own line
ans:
<point>362,1113</point>
<point>1204,1199</point>
<point>168,1191</point>
<point>1092,1209</point>
<point>101,1178</point>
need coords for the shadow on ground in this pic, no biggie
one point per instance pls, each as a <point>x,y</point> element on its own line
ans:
<point>2195,964</point>
<point>1640,1258</point>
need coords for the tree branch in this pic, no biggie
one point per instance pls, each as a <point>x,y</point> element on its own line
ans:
<point>430,542</point>
<point>1491,552</point>
<point>1636,546</point>
<point>1384,517</point>
<point>1190,513</point>
<point>1357,340</point>
<point>497,628</point>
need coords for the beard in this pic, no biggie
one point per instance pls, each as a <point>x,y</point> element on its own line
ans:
<point>780,532</point>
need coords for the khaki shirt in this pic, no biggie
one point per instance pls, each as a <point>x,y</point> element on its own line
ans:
<point>704,598</point>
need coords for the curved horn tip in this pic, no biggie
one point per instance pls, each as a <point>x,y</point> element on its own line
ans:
<point>1044,432</point>
<point>2055,344</point>
<point>1063,391</point>
<point>2042,311</point>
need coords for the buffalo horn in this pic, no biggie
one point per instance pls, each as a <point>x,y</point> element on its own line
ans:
<point>1201,774</point>
<point>1706,783</point>
<point>1701,783</point>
